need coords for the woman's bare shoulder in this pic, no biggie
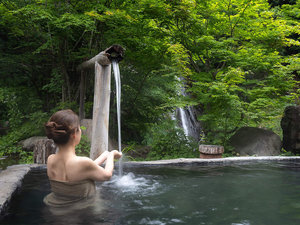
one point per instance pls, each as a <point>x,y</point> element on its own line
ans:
<point>83,162</point>
<point>88,169</point>
<point>81,168</point>
<point>51,159</point>
<point>83,159</point>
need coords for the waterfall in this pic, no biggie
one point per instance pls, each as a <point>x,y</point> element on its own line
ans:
<point>187,117</point>
<point>183,119</point>
<point>118,96</point>
<point>188,121</point>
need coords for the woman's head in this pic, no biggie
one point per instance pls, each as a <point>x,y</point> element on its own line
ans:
<point>61,126</point>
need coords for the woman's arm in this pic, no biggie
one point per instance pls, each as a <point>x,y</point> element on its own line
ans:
<point>101,158</point>
<point>91,170</point>
<point>109,165</point>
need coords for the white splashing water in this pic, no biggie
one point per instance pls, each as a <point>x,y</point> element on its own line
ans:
<point>118,95</point>
<point>129,183</point>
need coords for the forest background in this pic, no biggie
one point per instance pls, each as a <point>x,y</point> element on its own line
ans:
<point>239,60</point>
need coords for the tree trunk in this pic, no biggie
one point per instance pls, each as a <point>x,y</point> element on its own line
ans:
<point>63,93</point>
<point>82,96</point>
<point>67,81</point>
<point>101,110</point>
<point>42,149</point>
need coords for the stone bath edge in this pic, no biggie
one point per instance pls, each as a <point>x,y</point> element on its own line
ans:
<point>217,161</point>
<point>11,179</point>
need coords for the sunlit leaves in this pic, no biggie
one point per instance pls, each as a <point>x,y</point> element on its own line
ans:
<point>239,58</point>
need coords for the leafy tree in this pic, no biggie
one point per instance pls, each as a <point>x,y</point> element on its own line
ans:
<point>239,60</point>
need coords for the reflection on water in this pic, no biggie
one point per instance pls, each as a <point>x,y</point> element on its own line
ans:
<point>245,194</point>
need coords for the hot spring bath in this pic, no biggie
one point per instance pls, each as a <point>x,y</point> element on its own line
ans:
<point>264,192</point>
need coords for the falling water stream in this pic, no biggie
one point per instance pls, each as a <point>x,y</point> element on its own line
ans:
<point>118,96</point>
<point>183,118</point>
<point>189,123</point>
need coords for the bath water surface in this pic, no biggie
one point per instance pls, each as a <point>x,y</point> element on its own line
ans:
<point>244,194</point>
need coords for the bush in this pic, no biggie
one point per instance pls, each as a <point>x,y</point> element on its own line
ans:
<point>32,127</point>
<point>83,148</point>
<point>168,141</point>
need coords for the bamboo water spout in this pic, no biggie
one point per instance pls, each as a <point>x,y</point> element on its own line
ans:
<point>102,64</point>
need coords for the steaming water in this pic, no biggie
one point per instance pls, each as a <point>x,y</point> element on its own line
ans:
<point>245,194</point>
<point>118,95</point>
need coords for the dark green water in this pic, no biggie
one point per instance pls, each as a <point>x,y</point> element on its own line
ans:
<point>256,194</point>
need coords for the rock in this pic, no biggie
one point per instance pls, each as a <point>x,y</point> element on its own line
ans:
<point>290,124</point>
<point>42,149</point>
<point>256,141</point>
<point>29,143</point>
<point>211,151</point>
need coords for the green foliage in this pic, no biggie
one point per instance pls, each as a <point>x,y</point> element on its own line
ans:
<point>286,153</point>
<point>83,148</point>
<point>239,59</point>
<point>17,104</point>
<point>239,74</point>
<point>65,105</point>
<point>167,141</point>
<point>129,150</point>
<point>25,157</point>
<point>33,127</point>
<point>55,83</point>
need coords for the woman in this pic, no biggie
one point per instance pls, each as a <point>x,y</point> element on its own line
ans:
<point>72,177</point>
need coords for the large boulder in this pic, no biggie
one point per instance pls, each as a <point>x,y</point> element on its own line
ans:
<point>290,125</point>
<point>256,141</point>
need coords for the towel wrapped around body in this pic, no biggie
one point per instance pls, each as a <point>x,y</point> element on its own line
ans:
<point>68,193</point>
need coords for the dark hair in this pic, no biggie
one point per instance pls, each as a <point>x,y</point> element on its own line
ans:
<point>61,125</point>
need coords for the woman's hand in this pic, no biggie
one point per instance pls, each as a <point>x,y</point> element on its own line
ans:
<point>116,154</point>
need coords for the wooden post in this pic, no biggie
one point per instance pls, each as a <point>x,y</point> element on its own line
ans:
<point>101,110</point>
<point>211,151</point>
<point>102,63</point>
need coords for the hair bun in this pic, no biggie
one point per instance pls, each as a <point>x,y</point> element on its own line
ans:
<point>51,124</point>
<point>56,132</point>
<point>61,125</point>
